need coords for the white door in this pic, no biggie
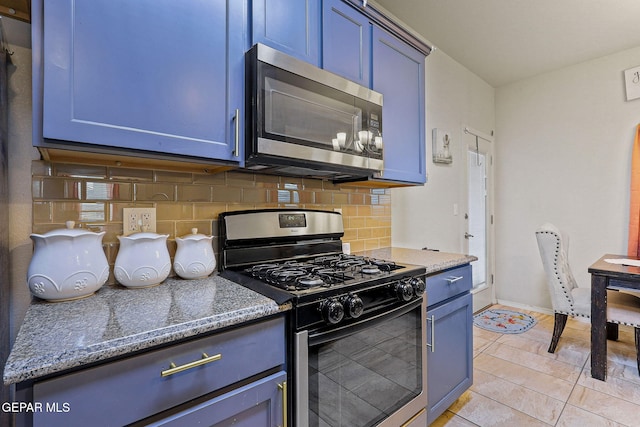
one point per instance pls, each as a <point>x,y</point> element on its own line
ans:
<point>478,218</point>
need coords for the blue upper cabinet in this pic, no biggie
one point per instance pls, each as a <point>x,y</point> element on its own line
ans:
<point>292,27</point>
<point>143,76</point>
<point>346,42</point>
<point>398,73</point>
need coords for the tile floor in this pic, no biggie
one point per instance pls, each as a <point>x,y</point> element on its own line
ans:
<point>518,383</point>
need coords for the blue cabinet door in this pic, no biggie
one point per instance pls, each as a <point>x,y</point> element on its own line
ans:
<point>346,42</point>
<point>143,75</point>
<point>258,404</point>
<point>292,27</point>
<point>450,357</point>
<point>398,73</point>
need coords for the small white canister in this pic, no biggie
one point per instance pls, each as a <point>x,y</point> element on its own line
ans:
<point>143,260</point>
<point>194,256</point>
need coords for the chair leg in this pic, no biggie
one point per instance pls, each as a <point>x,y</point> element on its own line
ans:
<point>560,320</point>
<point>637,334</point>
<point>612,331</point>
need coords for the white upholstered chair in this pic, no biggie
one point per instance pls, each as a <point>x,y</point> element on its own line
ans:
<point>568,299</point>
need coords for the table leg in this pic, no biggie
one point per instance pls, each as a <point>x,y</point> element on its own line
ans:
<point>599,326</point>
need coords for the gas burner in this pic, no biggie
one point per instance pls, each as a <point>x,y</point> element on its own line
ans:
<point>370,269</point>
<point>310,281</point>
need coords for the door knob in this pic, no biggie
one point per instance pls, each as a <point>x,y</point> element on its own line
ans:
<point>467,235</point>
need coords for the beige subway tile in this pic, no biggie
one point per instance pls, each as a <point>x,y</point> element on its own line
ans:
<point>378,232</point>
<point>357,246</point>
<point>226,194</point>
<point>154,192</point>
<point>385,242</point>
<point>108,191</point>
<point>79,171</point>
<point>364,210</point>
<point>240,179</point>
<point>305,197</point>
<point>254,195</point>
<point>324,197</point>
<point>36,188</point>
<point>126,174</point>
<point>184,227</point>
<point>59,188</point>
<point>79,212</point>
<point>211,179</point>
<point>356,199</point>
<point>290,183</point>
<point>193,193</point>
<point>364,233</point>
<point>350,234</point>
<point>42,212</point>
<point>166,227</point>
<point>41,168</point>
<point>233,207</point>
<point>267,181</point>
<point>112,231</point>
<point>174,211</point>
<point>208,210</point>
<point>372,244</point>
<point>356,222</point>
<point>173,177</point>
<point>349,211</point>
<point>312,184</point>
<point>340,198</point>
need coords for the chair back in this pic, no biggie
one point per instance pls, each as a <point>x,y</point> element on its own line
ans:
<point>553,246</point>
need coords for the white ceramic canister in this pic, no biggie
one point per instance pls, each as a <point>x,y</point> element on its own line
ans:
<point>68,263</point>
<point>143,260</point>
<point>194,256</point>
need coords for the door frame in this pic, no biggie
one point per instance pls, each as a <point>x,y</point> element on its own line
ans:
<point>485,145</point>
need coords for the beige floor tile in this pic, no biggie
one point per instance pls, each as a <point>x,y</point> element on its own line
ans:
<point>518,397</point>
<point>613,386</point>
<point>518,383</point>
<point>605,405</point>
<point>449,419</point>
<point>540,363</point>
<point>576,417</point>
<point>524,376</point>
<point>486,412</point>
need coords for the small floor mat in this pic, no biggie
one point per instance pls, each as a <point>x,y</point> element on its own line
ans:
<point>504,321</point>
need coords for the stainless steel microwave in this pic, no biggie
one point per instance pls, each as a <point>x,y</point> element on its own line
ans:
<point>305,121</point>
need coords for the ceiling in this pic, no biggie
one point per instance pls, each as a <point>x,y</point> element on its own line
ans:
<point>504,41</point>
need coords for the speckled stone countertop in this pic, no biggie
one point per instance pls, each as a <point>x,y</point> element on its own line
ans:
<point>434,261</point>
<point>117,321</point>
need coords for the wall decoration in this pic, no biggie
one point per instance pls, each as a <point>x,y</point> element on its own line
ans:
<point>632,83</point>
<point>442,146</point>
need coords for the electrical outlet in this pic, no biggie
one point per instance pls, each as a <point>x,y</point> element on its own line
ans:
<point>135,220</point>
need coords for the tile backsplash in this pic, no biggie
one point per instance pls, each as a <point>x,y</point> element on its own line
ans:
<point>94,196</point>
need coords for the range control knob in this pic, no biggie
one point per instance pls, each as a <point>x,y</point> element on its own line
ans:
<point>418,285</point>
<point>332,311</point>
<point>404,291</point>
<point>353,306</point>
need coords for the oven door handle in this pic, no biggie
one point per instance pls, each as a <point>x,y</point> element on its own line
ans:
<point>352,328</point>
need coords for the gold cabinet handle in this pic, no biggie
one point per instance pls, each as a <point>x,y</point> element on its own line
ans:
<point>283,387</point>
<point>173,369</point>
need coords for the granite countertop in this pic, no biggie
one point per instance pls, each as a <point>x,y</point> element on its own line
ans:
<point>56,336</point>
<point>434,261</point>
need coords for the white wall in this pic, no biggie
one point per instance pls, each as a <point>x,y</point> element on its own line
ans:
<point>563,142</point>
<point>423,216</point>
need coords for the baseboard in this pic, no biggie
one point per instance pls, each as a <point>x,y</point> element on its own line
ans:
<point>527,307</point>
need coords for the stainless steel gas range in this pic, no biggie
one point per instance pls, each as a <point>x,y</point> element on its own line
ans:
<point>356,337</point>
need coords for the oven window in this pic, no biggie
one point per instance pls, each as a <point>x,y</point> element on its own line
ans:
<point>361,379</point>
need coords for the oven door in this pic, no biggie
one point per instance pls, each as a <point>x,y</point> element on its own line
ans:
<point>368,374</point>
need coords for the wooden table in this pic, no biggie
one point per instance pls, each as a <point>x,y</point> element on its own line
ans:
<point>604,275</point>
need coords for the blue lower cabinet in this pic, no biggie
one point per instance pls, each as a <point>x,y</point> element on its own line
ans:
<point>144,76</point>
<point>259,404</point>
<point>292,27</point>
<point>398,73</point>
<point>449,353</point>
<point>230,366</point>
